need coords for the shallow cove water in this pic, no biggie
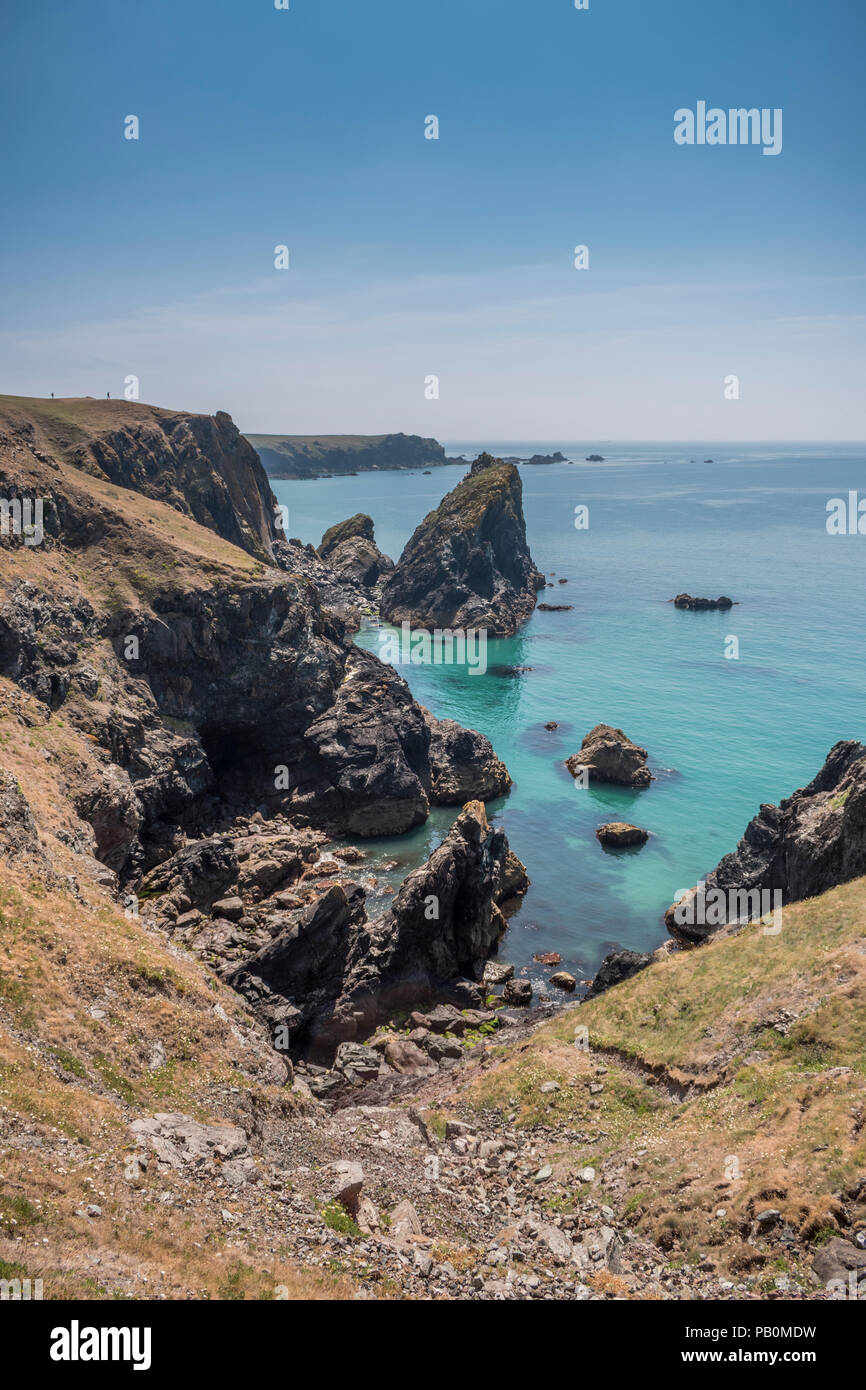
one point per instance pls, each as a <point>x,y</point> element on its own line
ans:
<point>723,735</point>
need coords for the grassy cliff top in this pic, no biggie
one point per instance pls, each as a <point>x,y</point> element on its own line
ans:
<point>69,421</point>
<point>730,1078</point>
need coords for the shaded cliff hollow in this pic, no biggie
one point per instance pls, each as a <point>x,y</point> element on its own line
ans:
<point>468,563</point>
<point>313,456</point>
<point>813,841</point>
<point>202,679</point>
<point>200,464</point>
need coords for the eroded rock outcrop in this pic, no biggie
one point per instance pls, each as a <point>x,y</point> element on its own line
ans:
<point>616,967</point>
<point>468,563</point>
<point>814,840</point>
<point>18,831</point>
<point>349,548</point>
<point>331,976</point>
<point>463,765</point>
<point>609,755</point>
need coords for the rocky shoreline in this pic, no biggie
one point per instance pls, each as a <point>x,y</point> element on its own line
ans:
<point>211,1001</point>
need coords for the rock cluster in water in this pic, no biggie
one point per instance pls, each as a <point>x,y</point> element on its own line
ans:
<point>701,605</point>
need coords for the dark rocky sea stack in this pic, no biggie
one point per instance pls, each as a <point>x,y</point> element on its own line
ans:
<point>610,756</point>
<point>814,840</point>
<point>350,549</point>
<point>468,563</point>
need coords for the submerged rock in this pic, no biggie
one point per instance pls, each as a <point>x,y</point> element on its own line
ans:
<point>468,563</point>
<point>610,756</point>
<point>517,992</point>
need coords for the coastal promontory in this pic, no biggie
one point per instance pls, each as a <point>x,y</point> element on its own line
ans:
<point>326,455</point>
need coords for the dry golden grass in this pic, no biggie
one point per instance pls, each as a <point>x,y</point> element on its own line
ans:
<point>70,1082</point>
<point>781,1123</point>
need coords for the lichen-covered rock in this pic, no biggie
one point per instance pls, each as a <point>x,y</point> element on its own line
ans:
<point>468,564</point>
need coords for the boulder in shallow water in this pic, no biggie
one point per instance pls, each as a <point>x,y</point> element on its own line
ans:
<point>517,992</point>
<point>618,834</point>
<point>610,756</point>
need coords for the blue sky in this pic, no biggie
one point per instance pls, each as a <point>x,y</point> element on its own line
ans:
<point>412,257</point>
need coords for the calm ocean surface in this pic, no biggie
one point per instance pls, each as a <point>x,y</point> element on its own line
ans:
<point>723,735</point>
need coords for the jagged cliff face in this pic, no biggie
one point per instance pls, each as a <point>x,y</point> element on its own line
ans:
<point>199,464</point>
<point>468,563</point>
<point>812,841</point>
<point>331,975</point>
<point>205,682</point>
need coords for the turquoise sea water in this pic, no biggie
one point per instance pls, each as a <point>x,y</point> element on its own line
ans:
<point>723,735</point>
